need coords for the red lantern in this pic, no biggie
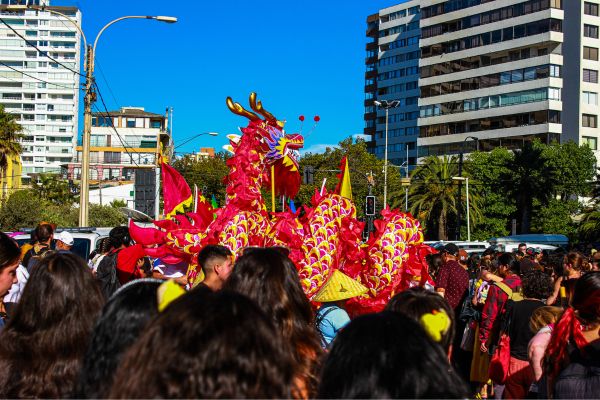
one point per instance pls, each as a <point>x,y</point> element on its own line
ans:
<point>301,118</point>
<point>317,118</point>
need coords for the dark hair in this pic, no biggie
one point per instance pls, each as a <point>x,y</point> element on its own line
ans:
<point>536,285</point>
<point>51,325</point>
<point>387,355</point>
<point>271,279</point>
<point>146,266</point>
<point>9,251</point>
<point>43,232</point>
<point>509,260</point>
<point>416,302</point>
<point>207,345</point>
<point>584,309</point>
<point>210,252</point>
<point>434,261</point>
<point>119,236</point>
<point>123,319</point>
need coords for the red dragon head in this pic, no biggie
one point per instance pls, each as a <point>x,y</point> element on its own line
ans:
<point>275,147</point>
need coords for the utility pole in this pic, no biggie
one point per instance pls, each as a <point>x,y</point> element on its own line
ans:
<point>88,100</point>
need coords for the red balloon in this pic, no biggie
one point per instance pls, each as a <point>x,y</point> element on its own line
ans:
<point>317,118</point>
<point>301,118</point>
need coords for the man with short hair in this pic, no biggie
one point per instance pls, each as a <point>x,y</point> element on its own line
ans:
<point>64,241</point>
<point>217,264</point>
<point>521,250</point>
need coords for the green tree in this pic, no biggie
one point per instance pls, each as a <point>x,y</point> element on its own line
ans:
<point>556,217</point>
<point>488,169</point>
<point>10,133</point>
<point>52,188</point>
<point>360,162</point>
<point>21,209</point>
<point>573,168</point>
<point>105,216</point>
<point>433,195</point>
<point>206,172</point>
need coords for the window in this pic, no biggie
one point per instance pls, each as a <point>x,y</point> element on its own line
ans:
<point>590,75</point>
<point>591,142</point>
<point>590,53</point>
<point>130,122</point>
<point>590,31</point>
<point>589,121</point>
<point>590,98</point>
<point>590,9</point>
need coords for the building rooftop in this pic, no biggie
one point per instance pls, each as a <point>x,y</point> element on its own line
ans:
<point>129,112</point>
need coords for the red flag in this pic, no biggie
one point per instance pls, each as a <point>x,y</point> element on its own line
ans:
<point>176,191</point>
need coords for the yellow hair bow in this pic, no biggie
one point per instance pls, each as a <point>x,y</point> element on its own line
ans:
<point>436,324</point>
<point>167,292</point>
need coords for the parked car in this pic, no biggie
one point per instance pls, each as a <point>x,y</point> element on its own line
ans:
<point>85,239</point>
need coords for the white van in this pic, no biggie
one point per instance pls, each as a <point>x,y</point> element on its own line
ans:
<point>474,247</point>
<point>85,239</point>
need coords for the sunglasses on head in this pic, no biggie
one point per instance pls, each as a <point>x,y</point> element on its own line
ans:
<point>284,251</point>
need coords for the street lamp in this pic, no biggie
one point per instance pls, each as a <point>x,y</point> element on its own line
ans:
<point>194,137</point>
<point>460,179</point>
<point>89,99</point>
<point>460,166</point>
<point>386,105</point>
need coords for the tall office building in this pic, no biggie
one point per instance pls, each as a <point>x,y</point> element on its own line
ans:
<point>42,92</point>
<point>392,74</point>
<point>490,70</point>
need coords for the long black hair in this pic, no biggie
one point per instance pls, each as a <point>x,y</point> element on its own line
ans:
<point>123,319</point>
<point>387,355</point>
<point>207,345</point>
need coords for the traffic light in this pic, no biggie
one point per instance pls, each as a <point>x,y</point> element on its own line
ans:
<point>370,205</point>
<point>309,175</point>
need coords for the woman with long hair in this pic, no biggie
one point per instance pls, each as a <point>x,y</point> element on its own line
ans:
<point>270,278</point>
<point>388,356</point>
<point>572,362</point>
<point>10,257</point>
<point>42,344</point>
<point>206,345</point>
<point>572,268</point>
<point>123,320</point>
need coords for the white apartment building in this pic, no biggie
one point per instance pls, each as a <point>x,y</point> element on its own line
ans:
<point>580,94</point>
<point>41,92</point>
<point>492,74</point>
<point>392,73</point>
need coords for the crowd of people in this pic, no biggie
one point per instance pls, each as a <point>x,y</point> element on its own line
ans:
<point>120,325</point>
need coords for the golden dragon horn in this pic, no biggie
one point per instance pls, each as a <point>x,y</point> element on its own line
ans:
<point>258,107</point>
<point>236,108</point>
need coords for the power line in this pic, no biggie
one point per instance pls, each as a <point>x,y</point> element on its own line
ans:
<point>44,53</point>
<point>106,83</point>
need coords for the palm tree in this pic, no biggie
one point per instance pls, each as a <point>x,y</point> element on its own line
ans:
<point>432,195</point>
<point>10,133</point>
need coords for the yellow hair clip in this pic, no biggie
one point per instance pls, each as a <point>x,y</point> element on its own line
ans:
<point>167,292</point>
<point>436,324</point>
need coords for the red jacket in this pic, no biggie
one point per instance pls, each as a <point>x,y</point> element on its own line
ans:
<point>127,263</point>
<point>495,302</point>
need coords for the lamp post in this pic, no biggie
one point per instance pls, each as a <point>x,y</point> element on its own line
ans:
<point>386,105</point>
<point>460,179</point>
<point>194,137</point>
<point>460,166</point>
<point>89,99</point>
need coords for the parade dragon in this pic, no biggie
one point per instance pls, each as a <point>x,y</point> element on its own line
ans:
<point>322,237</point>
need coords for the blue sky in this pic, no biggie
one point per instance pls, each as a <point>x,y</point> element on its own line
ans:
<point>301,57</point>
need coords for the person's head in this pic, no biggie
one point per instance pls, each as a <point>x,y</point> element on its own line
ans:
<point>52,324</point>
<point>573,262</point>
<point>119,237</point>
<point>596,261</point>
<point>216,263</point>
<point>522,249</point>
<point>207,345</point>
<point>145,267</point>
<point>584,311</point>
<point>10,256</point>
<point>434,261</point>
<point>418,302</point>
<point>449,252</point>
<point>536,285</point>
<point>507,265</point>
<point>44,233</point>
<point>544,316</point>
<point>463,258</point>
<point>269,277</point>
<point>122,321</point>
<point>64,241</point>
<point>387,355</point>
